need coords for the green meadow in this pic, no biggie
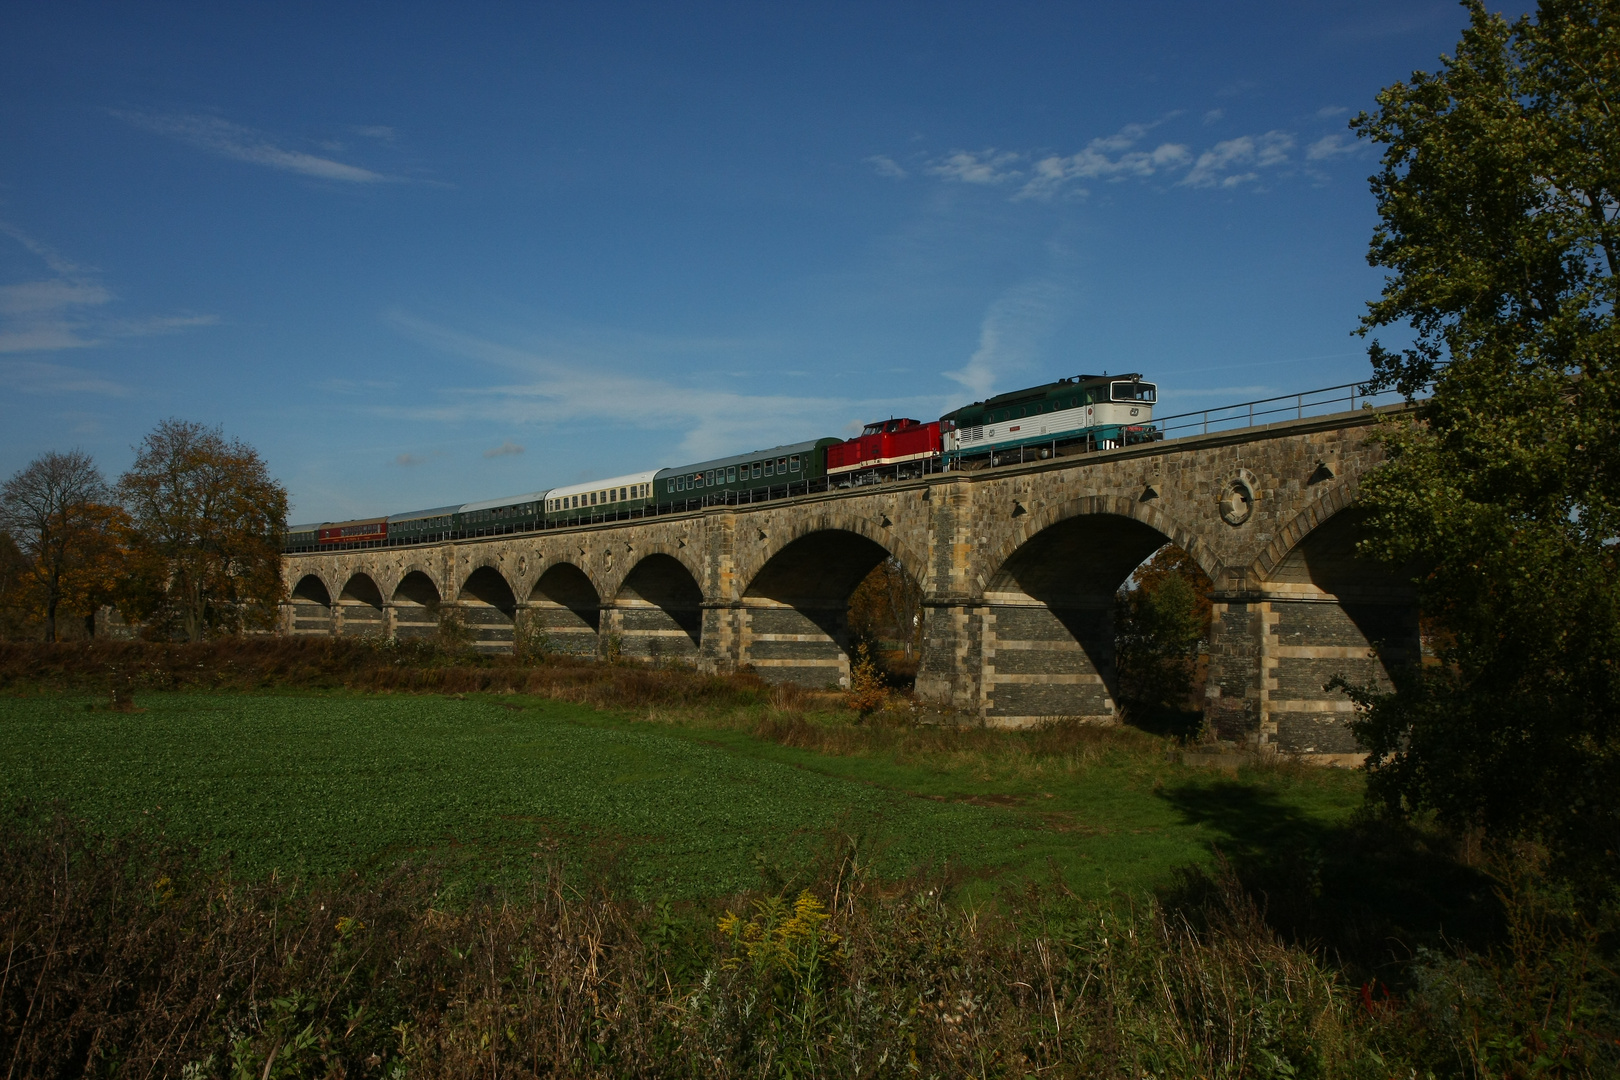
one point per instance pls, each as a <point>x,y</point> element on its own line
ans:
<point>320,783</point>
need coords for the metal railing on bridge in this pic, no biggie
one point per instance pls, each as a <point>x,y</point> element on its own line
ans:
<point>1330,399</point>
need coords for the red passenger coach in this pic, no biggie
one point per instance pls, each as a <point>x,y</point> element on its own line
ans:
<point>353,532</point>
<point>888,442</point>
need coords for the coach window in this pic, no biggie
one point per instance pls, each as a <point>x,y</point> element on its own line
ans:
<point>731,474</point>
<point>769,471</point>
<point>793,463</point>
<point>781,466</point>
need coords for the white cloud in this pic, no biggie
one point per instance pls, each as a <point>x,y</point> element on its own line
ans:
<point>66,311</point>
<point>556,384</point>
<point>34,297</point>
<point>1011,334</point>
<point>984,167</point>
<point>1331,146</point>
<point>1119,157</point>
<point>35,377</point>
<point>1328,112</point>
<point>886,166</point>
<point>506,448</point>
<point>243,144</point>
<point>1108,158</point>
<point>1235,161</point>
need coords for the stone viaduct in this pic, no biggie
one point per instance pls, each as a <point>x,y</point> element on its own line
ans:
<point>1018,566</point>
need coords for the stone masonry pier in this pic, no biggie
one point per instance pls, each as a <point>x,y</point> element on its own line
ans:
<point>1018,567</point>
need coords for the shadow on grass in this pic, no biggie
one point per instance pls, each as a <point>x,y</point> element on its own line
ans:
<point>1368,892</point>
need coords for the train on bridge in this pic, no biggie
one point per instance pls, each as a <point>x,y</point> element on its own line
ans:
<point>1069,416</point>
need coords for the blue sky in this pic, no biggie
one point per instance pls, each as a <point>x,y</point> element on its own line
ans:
<point>429,253</point>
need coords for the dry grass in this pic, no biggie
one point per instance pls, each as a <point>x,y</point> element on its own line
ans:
<point>120,668</point>
<point>123,957</point>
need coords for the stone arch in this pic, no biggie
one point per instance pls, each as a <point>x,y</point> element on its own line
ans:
<point>489,607</point>
<point>311,602</point>
<point>1326,612</point>
<point>1328,503</point>
<point>1044,517</point>
<point>416,604</point>
<point>888,538</point>
<point>565,606</point>
<point>1047,629</point>
<point>361,606</point>
<point>681,553</point>
<point>795,608</point>
<point>657,610</point>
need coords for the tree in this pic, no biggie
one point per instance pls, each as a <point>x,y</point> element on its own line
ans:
<point>887,604</point>
<point>1499,200</point>
<point>209,521</point>
<point>55,511</point>
<point>14,576</point>
<point>1159,623</point>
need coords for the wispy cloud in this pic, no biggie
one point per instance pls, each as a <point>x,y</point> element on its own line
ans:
<point>1238,161</point>
<point>70,309</point>
<point>1012,332</point>
<point>1124,155</point>
<point>887,166</point>
<point>36,377</point>
<point>552,383</point>
<point>226,139</point>
<point>505,449</point>
<point>983,167</point>
<point>408,460</point>
<point>1113,157</point>
<point>1331,146</point>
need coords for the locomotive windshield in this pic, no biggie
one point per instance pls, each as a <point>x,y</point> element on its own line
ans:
<point>1134,391</point>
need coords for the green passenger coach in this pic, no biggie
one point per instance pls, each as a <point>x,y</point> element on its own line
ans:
<point>744,478</point>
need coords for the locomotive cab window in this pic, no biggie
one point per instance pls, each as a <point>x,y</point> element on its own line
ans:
<point>1134,391</point>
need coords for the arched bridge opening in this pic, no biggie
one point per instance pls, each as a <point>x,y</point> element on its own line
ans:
<point>1047,624</point>
<point>489,609</point>
<point>416,606</point>
<point>361,607</point>
<point>1325,612</point>
<point>565,612</point>
<point>311,606</point>
<point>658,612</point>
<point>794,624</point>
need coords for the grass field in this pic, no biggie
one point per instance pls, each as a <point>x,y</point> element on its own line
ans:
<point>319,783</point>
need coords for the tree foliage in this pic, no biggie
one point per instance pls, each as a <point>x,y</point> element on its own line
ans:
<point>209,521</point>
<point>1159,623</point>
<point>1499,204</point>
<point>56,512</point>
<point>887,606</point>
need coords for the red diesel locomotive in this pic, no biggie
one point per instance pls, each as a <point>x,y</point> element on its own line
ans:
<point>887,442</point>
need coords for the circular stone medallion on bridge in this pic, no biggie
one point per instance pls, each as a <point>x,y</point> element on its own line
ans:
<point>1237,505</point>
